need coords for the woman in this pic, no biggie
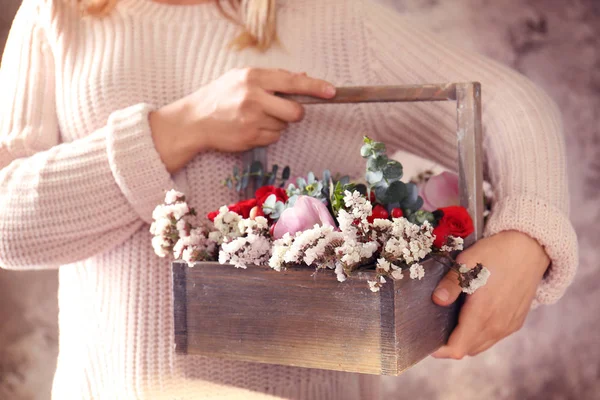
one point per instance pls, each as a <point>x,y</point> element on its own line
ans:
<point>100,114</point>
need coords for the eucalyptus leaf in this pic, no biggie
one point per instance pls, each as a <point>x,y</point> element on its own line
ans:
<point>285,175</point>
<point>236,171</point>
<point>244,181</point>
<point>378,148</point>
<point>393,170</point>
<point>271,179</point>
<point>344,180</point>
<point>229,183</point>
<point>366,150</point>
<point>377,163</point>
<point>374,177</point>
<point>395,193</point>
<point>256,168</point>
<point>380,192</point>
<point>326,176</point>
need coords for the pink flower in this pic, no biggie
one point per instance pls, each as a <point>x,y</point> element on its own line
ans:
<point>305,214</point>
<point>440,191</point>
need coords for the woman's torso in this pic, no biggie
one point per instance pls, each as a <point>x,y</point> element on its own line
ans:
<point>115,308</point>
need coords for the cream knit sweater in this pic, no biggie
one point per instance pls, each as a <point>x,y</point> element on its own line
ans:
<point>79,175</point>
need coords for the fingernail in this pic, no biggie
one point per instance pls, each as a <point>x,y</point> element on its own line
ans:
<point>329,90</point>
<point>442,294</point>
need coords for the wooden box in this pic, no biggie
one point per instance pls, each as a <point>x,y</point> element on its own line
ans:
<point>301,318</point>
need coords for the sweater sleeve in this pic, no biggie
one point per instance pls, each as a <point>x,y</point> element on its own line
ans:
<point>65,202</point>
<point>524,146</point>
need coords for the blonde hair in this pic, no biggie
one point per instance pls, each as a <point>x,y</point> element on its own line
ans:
<point>257,18</point>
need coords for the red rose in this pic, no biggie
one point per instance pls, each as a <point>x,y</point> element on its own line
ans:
<point>265,191</point>
<point>212,215</point>
<point>241,208</point>
<point>456,221</point>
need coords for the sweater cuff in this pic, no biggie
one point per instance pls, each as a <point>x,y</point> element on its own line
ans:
<point>134,161</point>
<point>552,229</point>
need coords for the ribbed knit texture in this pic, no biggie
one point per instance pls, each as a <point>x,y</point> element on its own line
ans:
<point>80,176</point>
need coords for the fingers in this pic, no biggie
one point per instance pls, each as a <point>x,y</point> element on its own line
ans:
<point>283,109</point>
<point>448,290</point>
<point>270,123</point>
<point>267,137</point>
<point>459,344</point>
<point>277,80</point>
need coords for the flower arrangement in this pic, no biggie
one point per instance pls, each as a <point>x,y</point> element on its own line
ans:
<point>327,223</point>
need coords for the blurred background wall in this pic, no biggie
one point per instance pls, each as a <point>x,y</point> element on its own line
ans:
<point>556,355</point>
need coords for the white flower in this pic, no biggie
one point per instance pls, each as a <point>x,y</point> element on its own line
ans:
<point>384,264</point>
<point>382,280</point>
<point>181,226</point>
<point>159,212</point>
<point>160,227</point>
<point>374,286</point>
<point>417,271</point>
<point>177,210</point>
<point>227,223</point>
<point>280,248</point>
<point>160,246</point>
<point>339,272</point>
<point>397,274</point>
<point>173,196</point>
<point>243,251</point>
<point>479,281</point>
<point>453,243</point>
<point>360,209</point>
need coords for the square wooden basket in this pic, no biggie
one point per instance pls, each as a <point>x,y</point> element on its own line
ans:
<point>301,318</point>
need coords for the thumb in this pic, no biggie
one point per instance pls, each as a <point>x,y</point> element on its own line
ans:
<point>447,290</point>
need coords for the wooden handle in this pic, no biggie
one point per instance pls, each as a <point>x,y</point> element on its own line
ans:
<point>382,94</point>
<point>469,131</point>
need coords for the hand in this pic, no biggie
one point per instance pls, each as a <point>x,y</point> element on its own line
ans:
<point>517,264</point>
<point>237,112</point>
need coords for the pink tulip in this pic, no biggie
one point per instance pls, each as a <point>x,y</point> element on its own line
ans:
<point>440,191</point>
<point>305,214</point>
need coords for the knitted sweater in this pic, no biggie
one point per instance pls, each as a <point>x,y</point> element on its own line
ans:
<point>79,174</point>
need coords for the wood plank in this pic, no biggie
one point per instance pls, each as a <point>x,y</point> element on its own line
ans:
<point>301,319</point>
<point>180,306</point>
<point>382,94</point>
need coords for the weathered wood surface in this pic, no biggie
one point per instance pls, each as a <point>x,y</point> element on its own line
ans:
<point>383,94</point>
<point>300,319</point>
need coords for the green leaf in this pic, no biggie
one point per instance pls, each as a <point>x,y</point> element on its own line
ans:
<point>326,176</point>
<point>256,168</point>
<point>374,177</point>
<point>380,191</point>
<point>395,193</point>
<point>393,171</point>
<point>366,150</point>
<point>377,163</point>
<point>378,148</point>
